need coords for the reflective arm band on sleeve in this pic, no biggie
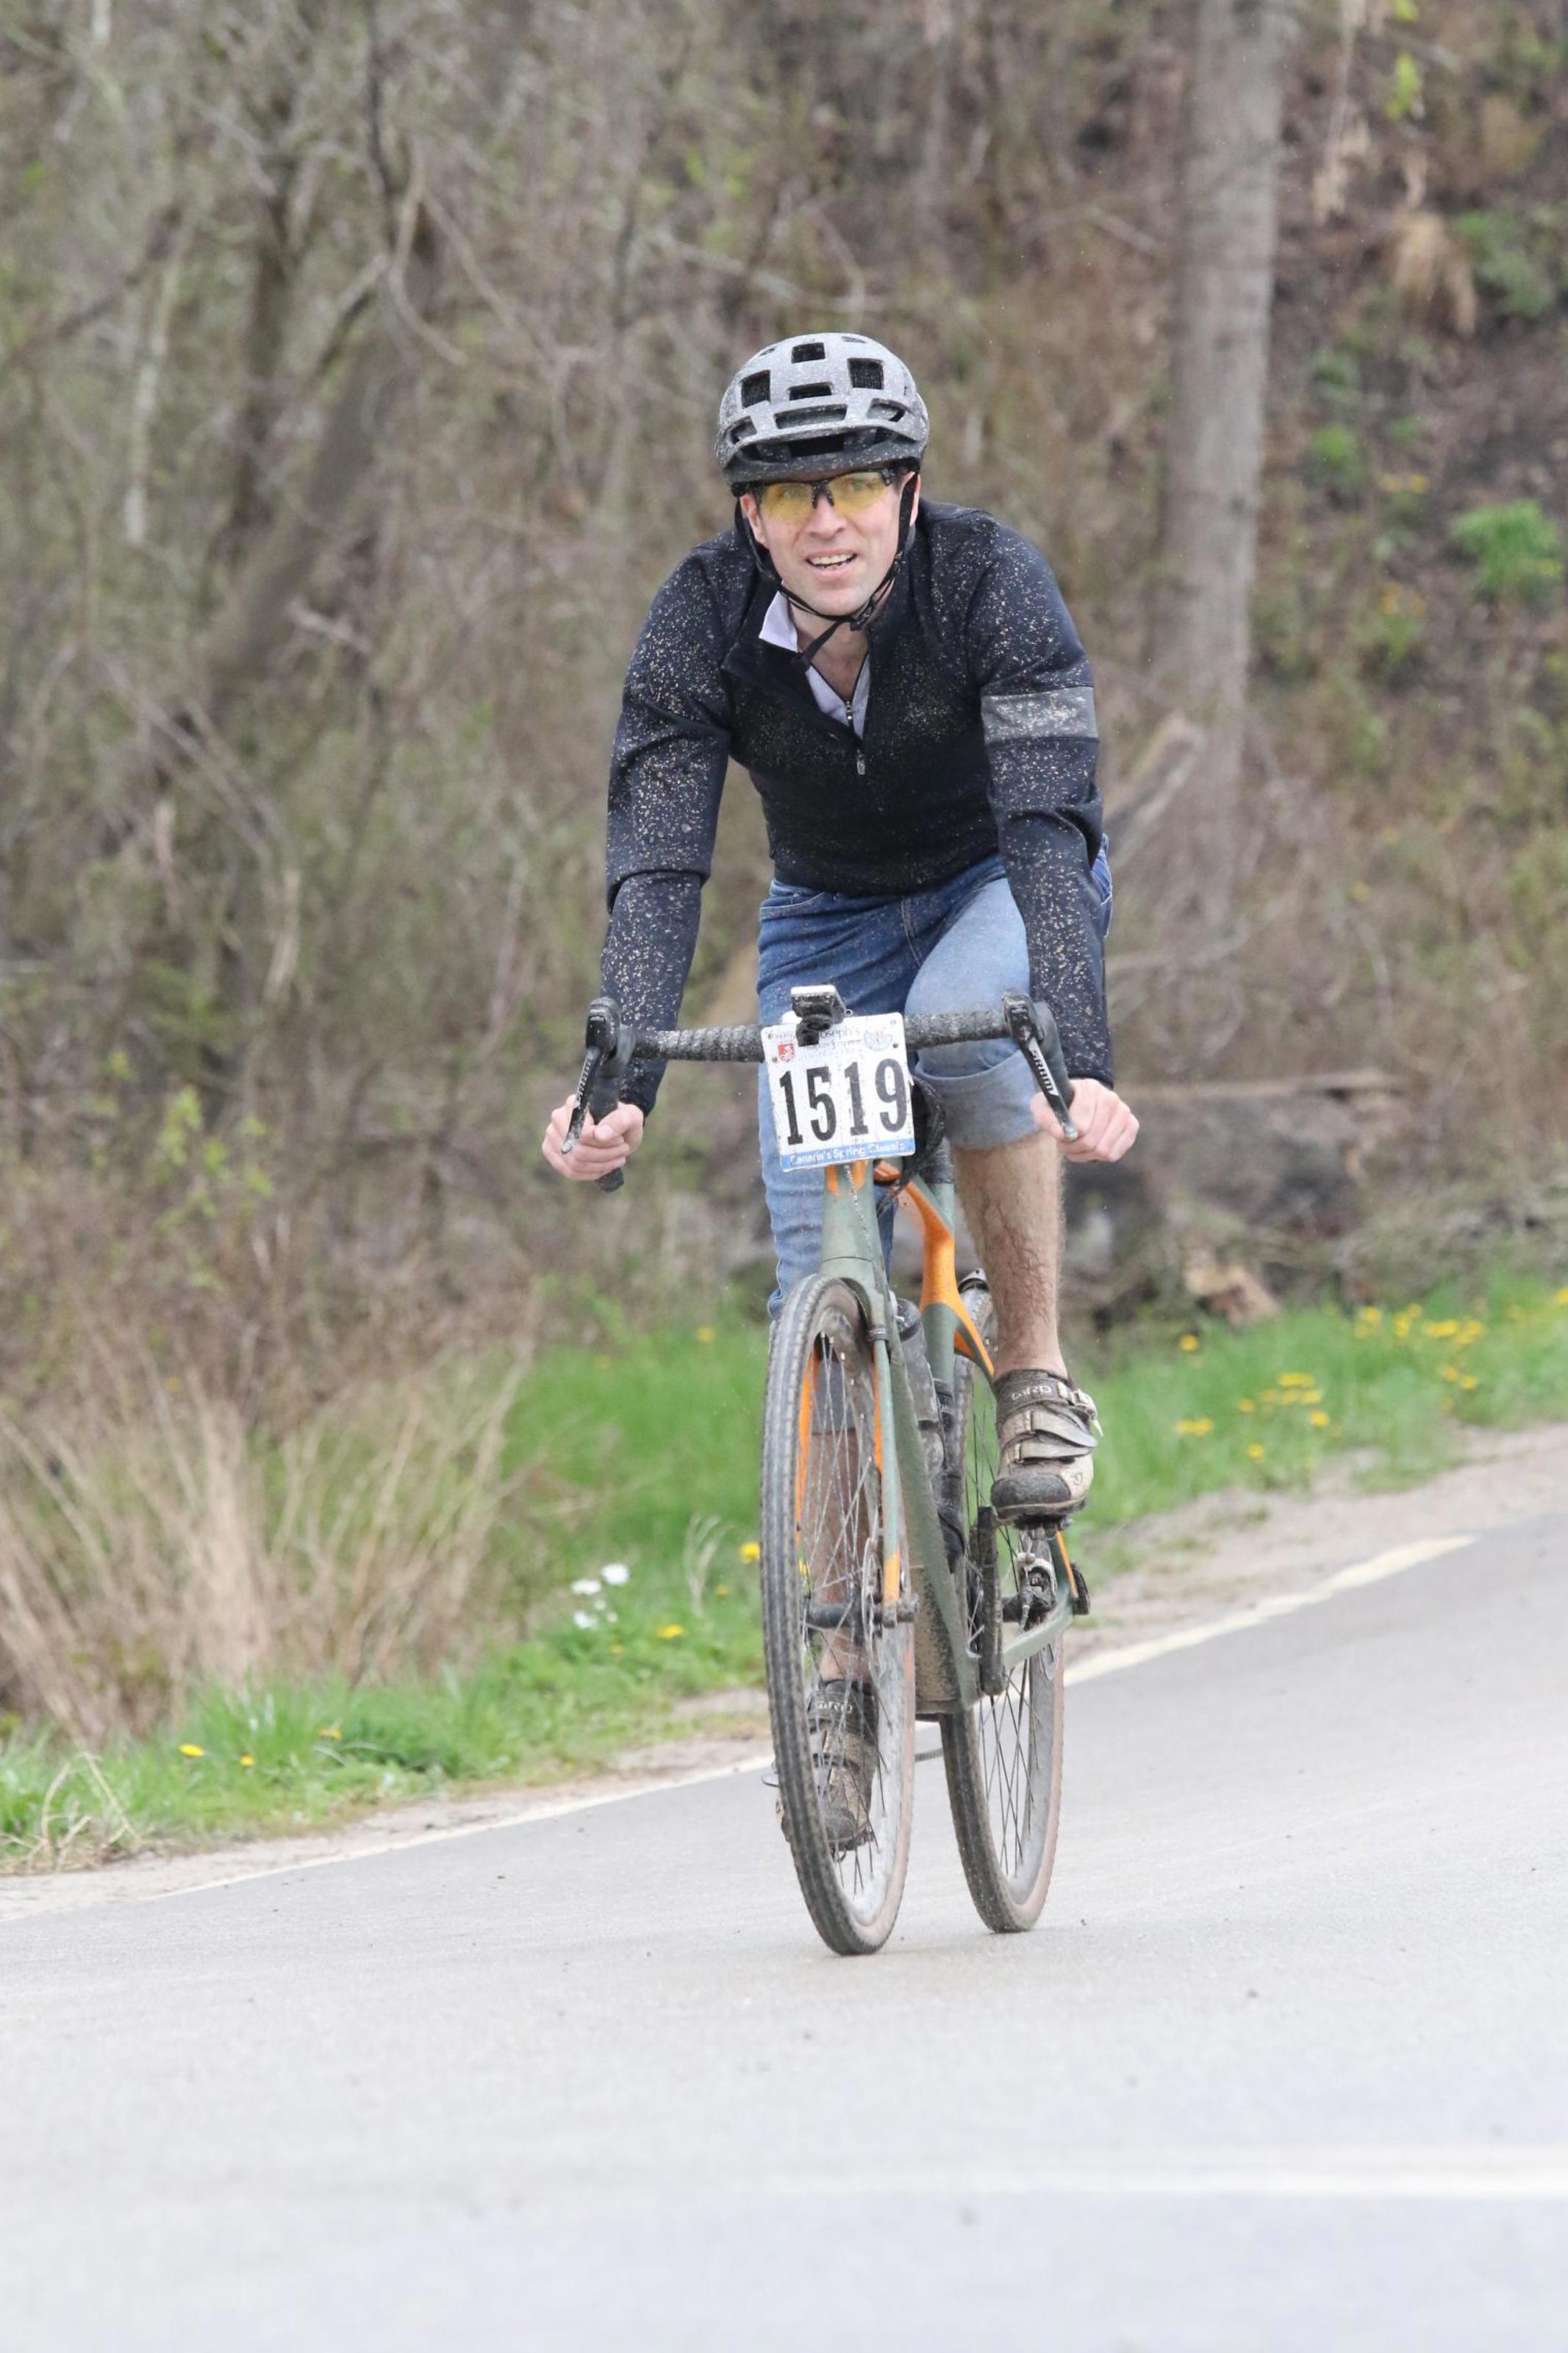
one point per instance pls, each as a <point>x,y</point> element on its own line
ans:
<point>1060,711</point>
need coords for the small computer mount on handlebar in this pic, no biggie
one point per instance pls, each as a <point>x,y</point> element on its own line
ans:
<point>1036,1040</point>
<point>816,1011</point>
<point>608,1041</point>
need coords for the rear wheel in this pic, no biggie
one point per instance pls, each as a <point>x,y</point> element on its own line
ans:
<point>1003,1756</point>
<point>840,1666</point>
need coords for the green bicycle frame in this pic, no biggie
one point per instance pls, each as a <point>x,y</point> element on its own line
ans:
<point>947,1674</point>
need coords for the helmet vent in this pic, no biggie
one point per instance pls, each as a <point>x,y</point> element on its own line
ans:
<point>832,397</point>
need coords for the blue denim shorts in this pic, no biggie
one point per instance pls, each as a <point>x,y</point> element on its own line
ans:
<point>939,951</point>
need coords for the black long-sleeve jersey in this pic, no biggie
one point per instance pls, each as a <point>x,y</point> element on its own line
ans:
<point>980,734</point>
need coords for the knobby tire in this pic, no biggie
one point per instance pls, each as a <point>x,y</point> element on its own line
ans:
<point>821,1546</point>
<point>1003,1756</point>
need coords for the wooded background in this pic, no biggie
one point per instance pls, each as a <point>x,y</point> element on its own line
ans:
<point>358,366</point>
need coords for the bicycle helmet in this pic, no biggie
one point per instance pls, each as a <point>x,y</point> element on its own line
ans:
<point>798,404</point>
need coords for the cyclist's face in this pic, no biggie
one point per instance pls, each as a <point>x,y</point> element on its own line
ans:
<point>830,553</point>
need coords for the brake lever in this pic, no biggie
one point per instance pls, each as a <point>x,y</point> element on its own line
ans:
<point>598,1087</point>
<point>1037,1041</point>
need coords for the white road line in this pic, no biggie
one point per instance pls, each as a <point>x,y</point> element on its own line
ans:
<point>545,1812</point>
<point>1107,1662</point>
<point>1455,2175</point>
<point>1258,1613</point>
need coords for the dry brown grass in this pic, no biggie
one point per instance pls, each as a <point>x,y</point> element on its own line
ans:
<point>1431,272</point>
<point>151,1542</point>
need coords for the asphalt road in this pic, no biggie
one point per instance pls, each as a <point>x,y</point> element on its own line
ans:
<point>1285,2066</point>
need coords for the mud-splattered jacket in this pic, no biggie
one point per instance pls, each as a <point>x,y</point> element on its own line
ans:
<point>980,735</point>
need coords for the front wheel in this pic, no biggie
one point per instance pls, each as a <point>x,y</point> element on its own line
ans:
<point>1003,1756</point>
<point>840,1661</point>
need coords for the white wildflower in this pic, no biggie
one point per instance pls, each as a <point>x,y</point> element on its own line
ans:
<point>615,1572</point>
<point>581,1618</point>
<point>586,1585</point>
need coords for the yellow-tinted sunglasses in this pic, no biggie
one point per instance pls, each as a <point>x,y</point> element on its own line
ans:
<point>851,494</point>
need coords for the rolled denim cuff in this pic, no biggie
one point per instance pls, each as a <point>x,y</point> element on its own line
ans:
<point>986,1107</point>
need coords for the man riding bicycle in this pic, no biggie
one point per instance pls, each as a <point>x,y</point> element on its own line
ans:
<point>908,694</point>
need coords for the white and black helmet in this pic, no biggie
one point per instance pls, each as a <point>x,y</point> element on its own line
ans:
<point>812,399</point>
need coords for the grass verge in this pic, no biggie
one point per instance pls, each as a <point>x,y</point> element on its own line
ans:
<point>639,1517</point>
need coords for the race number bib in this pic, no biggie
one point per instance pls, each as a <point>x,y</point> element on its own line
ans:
<point>845,1098</point>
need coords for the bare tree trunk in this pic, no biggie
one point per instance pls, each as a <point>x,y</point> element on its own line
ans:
<point>250,626</point>
<point>932,190</point>
<point>1230,170</point>
<point>246,631</point>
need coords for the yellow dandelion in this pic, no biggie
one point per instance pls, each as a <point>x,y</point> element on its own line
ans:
<point>329,1732</point>
<point>189,1748</point>
<point>1444,1330</point>
<point>1297,1380</point>
<point>1361,892</point>
<point>1189,1342</point>
<point>247,1758</point>
<point>750,1552</point>
<point>723,1591</point>
<point>1319,1420</point>
<point>705,1333</point>
<point>1469,1381</point>
<point>1199,1427</point>
<point>1271,1397</point>
<point>1244,1404</point>
<point>1256,1452</point>
<point>616,1649</point>
<point>670,1633</point>
<point>1561,1301</point>
<point>1371,1316</point>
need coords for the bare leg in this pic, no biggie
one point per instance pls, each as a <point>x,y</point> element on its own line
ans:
<point>1012,1198</point>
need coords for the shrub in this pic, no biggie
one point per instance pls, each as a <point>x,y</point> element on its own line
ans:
<point>1405,495</point>
<point>1517,550</point>
<point>1509,263</point>
<point>1392,634</point>
<point>1336,377</point>
<point>1335,456</point>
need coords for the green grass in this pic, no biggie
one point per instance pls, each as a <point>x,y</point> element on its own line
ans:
<point>643,1456</point>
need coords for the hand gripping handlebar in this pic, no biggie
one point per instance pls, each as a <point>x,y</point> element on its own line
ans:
<point>612,1045</point>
